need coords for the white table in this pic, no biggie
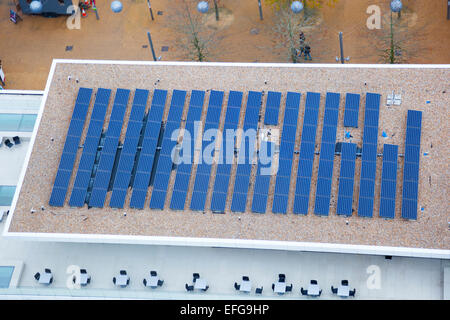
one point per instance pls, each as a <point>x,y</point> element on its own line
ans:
<point>152,281</point>
<point>45,278</point>
<point>84,278</point>
<point>246,286</point>
<point>200,284</point>
<point>313,290</point>
<point>121,280</point>
<point>280,287</point>
<point>343,291</point>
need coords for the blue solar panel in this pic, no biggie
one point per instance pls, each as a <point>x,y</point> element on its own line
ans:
<point>127,156</point>
<point>181,185</point>
<point>75,128</point>
<point>62,178</point>
<point>411,165</point>
<point>164,164</point>
<point>272,108</point>
<point>145,161</point>
<point>307,149</point>
<point>226,155</point>
<point>244,162</point>
<point>107,157</point>
<point>369,155</point>
<point>351,110</point>
<point>262,179</point>
<point>346,179</point>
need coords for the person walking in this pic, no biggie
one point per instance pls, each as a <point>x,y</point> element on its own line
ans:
<point>307,52</point>
<point>301,50</point>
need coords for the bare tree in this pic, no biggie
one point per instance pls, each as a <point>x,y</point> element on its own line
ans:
<point>195,37</point>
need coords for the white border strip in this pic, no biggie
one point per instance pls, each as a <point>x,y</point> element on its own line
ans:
<point>213,242</point>
<point>23,92</point>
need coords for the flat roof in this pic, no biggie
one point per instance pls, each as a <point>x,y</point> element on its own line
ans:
<point>423,87</point>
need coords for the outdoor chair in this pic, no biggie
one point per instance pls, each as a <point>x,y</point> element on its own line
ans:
<point>237,286</point>
<point>207,287</point>
<point>153,273</point>
<point>16,140</point>
<point>259,290</point>
<point>313,281</point>
<point>160,282</point>
<point>195,276</point>
<point>48,271</point>
<point>344,282</point>
<point>245,278</point>
<point>189,288</point>
<point>303,291</point>
<point>114,280</point>
<point>289,288</point>
<point>352,293</point>
<point>334,290</point>
<point>8,143</point>
<point>37,276</point>
<point>144,282</point>
<point>123,272</point>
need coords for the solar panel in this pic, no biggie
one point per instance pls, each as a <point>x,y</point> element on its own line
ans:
<point>281,196</point>
<point>181,185</point>
<point>67,160</point>
<point>411,165</point>
<point>204,170</point>
<point>346,179</point>
<point>107,157</point>
<point>219,196</point>
<point>369,155</point>
<point>246,151</point>
<point>127,156</point>
<point>326,160</point>
<point>306,157</point>
<point>149,143</point>
<point>272,108</point>
<point>351,110</point>
<point>388,181</point>
<point>164,163</point>
<point>263,175</point>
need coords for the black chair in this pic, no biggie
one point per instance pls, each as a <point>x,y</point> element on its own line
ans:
<point>48,271</point>
<point>16,140</point>
<point>313,281</point>
<point>160,282</point>
<point>144,282</point>
<point>273,286</point>
<point>281,277</point>
<point>128,281</point>
<point>195,276</point>
<point>289,288</point>
<point>320,292</point>
<point>88,280</point>
<point>8,143</point>
<point>259,290</point>
<point>352,293</point>
<point>189,288</point>
<point>51,280</point>
<point>83,271</point>
<point>123,272</point>
<point>37,276</point>
<point>245,278</point>
<point>153,273</point>
<point>206,288</point>
<point>344,282</point>
<point>334,290</point>
<point>237,286</point>
<point>114,280</point>
<point>303,291</point>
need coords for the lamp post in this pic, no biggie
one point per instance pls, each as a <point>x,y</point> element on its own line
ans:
<point>260,10</point>
<point>396,6</point>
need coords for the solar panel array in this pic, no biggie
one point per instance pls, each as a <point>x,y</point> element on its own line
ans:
<point>129,148</point>
<point>244,166</point>
<point>411,164</point>
<point>265,156</point>
<point>108,154</point>
<point>388,181</point>
<point>326,160</point>
<point>283,180</point>
<point>148,144</point>
<point>346,179</point>
<point>307,149</point>
<point>59,191</point>
<point>165,163</point>
<point>85,168</point>
<point>351,110</point>
<point>204,169</point>
<point>181,185</point>
<point>226,155</point>
<point>272,108</point>
<point>104,166</point>
<point>369,155</point>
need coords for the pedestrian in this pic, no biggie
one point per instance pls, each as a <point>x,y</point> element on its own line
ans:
<point>301,36</point>
<point>307,52</point>
<point>301,50</point>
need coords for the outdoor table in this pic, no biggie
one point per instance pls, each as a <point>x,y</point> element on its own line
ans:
<point>84,278</point>
<point>121,280</point>
<point>45,278</point>
<point>246,286</point>
<point>200,284</point>
<point>313,290</point>
<point>152,281</point>
<point>280,287</point>
<point>343,291</point>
